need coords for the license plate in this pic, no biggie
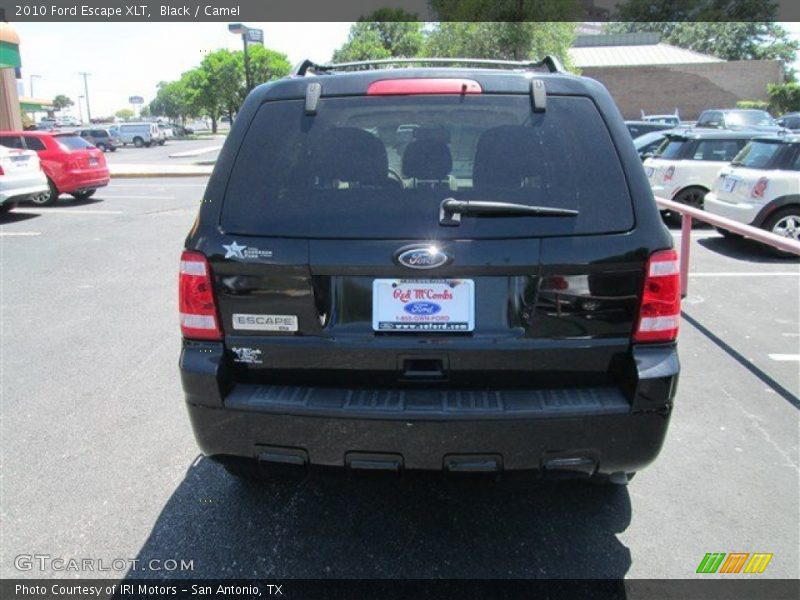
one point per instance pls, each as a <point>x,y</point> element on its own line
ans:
<point>92,162</point>
<point>728,184</point>
<point>649,171</point>
<point>446,305</point>
<point>19,160</point>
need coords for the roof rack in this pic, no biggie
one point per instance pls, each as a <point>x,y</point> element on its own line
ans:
<point>549,64</point>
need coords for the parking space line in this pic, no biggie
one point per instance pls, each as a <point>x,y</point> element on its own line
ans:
<point>125,197</point>
<point>785,357</point>
<point>75,211</point>
<point>19,233</point>
<point>748,274</point>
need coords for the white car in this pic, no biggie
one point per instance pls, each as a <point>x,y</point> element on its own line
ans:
<point>761,187</point>
<point>687,163</point>
<point>21,177</point>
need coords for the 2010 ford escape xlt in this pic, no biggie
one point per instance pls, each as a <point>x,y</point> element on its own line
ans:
<point>451,269</point>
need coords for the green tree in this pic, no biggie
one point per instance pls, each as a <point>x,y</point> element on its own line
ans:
<point>265,65</point>
<point>124,113</point>
<point>784,97</point>
<point>384,33</point>
<point>61,102</point>
<point>171,101</point>
<point>200,96</point>
<point>224,77</point>
<point>502,40</point>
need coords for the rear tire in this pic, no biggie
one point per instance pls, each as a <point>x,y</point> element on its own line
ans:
<point>48,198</point>
<point>138,142</point>
<point>81,196</point>
<point>786,223</point>
<point>690,197</point>
<point>102,147</point>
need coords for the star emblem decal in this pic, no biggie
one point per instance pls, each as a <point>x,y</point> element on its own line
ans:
<point>233,250</point>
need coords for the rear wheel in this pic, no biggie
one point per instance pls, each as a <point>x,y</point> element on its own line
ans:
<point>83,195</point>
<point>46,198</point>
<point>102,147</point>
<point>138,142</point>
<point>690,197</point>
<point>786,223</point>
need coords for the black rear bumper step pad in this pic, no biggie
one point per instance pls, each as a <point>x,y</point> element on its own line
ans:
<point>427,403</point>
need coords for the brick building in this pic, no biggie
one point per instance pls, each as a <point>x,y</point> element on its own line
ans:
<point>644,74</point>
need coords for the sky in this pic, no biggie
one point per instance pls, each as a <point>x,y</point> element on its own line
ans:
<point>129,59</point>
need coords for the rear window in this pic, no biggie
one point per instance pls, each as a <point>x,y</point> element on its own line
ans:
<point>72,142</point>
<point>718,150</point>
<point>757,155</point>
<point>749,118</point>
<point>379,167</point>
<point>671,148</point>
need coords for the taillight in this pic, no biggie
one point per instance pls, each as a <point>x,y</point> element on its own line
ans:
<point>668,174</point>
<point>660,308</point>
<point>197,306</point>
<point>760,188</point>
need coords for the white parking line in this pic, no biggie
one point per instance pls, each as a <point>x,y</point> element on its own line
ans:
<point>75,211</point>
<point>748,274</point>
<point>785,357</point>
<point>125,197</point>
<point>19,233</point>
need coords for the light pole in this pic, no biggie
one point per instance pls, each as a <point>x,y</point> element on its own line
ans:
<point>80,109</point>
<point>241,29</point>
<point>30,87</point>
<point>86,91</point>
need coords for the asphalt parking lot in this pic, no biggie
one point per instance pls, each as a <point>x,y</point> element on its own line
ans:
<point>208,145</point>
<point>98,458</point>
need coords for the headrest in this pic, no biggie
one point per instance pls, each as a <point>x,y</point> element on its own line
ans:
<point>427,159</point>
<point>504,156</point>
<point>349,154</point>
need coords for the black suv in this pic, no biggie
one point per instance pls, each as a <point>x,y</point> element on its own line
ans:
<point>440,269</point>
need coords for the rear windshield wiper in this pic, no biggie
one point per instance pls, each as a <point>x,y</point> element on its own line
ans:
<point>450,210</point>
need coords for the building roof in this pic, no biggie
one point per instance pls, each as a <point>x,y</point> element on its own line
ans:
<point>631,49</point>
<point>641,55</point>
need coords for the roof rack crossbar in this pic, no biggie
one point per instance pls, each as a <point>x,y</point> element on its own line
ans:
<point>549,63</point>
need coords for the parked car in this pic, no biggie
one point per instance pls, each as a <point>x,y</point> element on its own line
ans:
<point>180,130</point>
<point>761,187</point>
<point>738,118</point>
<point>507,300</point>
<point>140,134</point>
<point>672,120</point>
<point>72,165</point>
<point>639,128</point>
<point>790,121</point>
<point>686,166</point>
<point>647,145</point>
<point>166,131</point>
<point>102,139</point>
<point>21,177</point>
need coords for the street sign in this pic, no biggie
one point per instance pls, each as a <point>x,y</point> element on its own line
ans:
<point>255,36</point>
<point>135,100</point>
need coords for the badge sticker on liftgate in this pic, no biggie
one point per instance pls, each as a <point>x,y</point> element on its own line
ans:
<point>250,356</point>
<point>235,250</point>
<point>285,323</point>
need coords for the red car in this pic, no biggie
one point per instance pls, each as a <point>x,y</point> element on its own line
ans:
<point>72,165</point>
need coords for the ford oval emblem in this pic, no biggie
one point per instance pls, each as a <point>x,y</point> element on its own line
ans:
<point>422,308</point>
<point>421,257</point>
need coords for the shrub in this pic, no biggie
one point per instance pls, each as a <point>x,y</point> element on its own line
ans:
<point>784,97</point>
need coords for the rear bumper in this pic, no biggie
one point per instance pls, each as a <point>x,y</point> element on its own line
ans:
<point>21,189</point>
<point>741,212</point>
<point>77,181</point>
<point>605,429</point>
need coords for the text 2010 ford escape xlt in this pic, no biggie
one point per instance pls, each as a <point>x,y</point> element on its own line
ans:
<point>440,269</point>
